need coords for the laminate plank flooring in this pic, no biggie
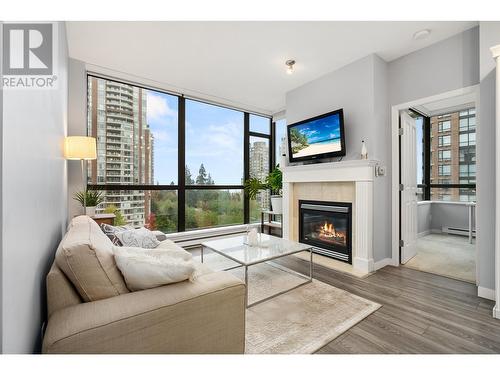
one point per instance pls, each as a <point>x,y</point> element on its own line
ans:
<point>420,313</point>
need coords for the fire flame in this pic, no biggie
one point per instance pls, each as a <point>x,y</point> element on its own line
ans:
<point>327,230</point>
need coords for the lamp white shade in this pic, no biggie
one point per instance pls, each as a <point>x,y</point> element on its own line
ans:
<point>80,148</point>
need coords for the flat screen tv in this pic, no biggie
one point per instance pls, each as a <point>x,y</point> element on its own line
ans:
<point>317,138</point>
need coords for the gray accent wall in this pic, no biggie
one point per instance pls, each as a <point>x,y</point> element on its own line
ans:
<point>435,216</point>
<point>360,89</point>
<point>34,206</point>
<point>448,65</point>
<point>369,87</point>
<point>489,36</point>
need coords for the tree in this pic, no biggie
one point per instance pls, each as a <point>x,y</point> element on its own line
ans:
<point>210,181</point>
<point>299,140</point>
<point>189,177</point>
<point>202,176</point>
<point>119,219</point>
<point>151,222</point>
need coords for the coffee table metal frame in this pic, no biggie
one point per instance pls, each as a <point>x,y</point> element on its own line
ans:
<point>245,266</point>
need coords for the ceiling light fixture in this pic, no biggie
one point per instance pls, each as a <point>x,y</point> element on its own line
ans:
<point>421,34</point>
<point>289,66</point>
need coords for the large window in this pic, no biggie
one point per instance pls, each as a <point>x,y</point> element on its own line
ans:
<point>420,155</point>
<point>259,161</point>
<point>452,156</point>
<point>214,140</point>
<point>172,163</point>
<point>280,127</point>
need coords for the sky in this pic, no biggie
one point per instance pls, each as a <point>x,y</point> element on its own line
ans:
<point>162,119</point>
<point>214,137</point>
<point>322,129</point>
<point>280,134</point>
<point>419,123</point>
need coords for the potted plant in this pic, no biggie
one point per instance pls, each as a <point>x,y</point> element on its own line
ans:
<point>272,182</point>
<point>89,199</point>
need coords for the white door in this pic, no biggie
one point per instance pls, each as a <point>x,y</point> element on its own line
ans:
<point>409,187</point>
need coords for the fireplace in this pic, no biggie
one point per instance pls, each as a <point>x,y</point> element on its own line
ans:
<point>327,227</point>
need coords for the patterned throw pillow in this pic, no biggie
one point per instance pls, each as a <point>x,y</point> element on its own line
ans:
<point>141,237</point>
<point>110,231</point>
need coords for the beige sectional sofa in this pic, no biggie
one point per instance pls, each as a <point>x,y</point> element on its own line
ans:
<point>90,309</point>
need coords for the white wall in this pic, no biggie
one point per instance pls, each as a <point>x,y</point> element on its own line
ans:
<point>34,212</point>
<point>424,217</point>
<point>1,199</point>
<point>360,89</point>
<point>489,36</point>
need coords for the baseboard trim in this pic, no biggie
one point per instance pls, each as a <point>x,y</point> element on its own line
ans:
<point>496,311</point>
<point>486,293</point>
<point>424,233</point>
<point>362,264</point>
<point>382,263</point>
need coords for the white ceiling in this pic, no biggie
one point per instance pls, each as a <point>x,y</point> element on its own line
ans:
<point>242,63</point>
<point>447,105</point>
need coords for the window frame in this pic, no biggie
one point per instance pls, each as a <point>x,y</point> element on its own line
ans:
<point>181,186</point>
<point>427,186</point>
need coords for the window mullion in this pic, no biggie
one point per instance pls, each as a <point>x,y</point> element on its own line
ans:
<point>181,168</point>
<point>246,164</point>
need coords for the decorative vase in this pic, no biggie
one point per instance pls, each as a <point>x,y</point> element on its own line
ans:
<point>253,237</point>
<point>364,152</point>
<point>277,204</point>
<point>90,211</point>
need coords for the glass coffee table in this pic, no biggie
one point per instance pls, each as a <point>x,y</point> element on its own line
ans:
<point>269,248</point>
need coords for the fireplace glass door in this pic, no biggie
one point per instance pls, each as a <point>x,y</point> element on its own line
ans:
<point>327,226</point>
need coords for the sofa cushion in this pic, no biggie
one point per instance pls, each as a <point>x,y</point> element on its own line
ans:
<point>151,268</point>
<point>111,230</point>
<point>141,237</point>
<point>60,291</point>
<point>171,246</point>
<point>85,255</point>
<point>160,236</point>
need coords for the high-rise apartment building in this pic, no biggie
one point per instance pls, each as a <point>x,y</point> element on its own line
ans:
<point>259,168</point>
<point>453,155</point>
<point>117,118</point>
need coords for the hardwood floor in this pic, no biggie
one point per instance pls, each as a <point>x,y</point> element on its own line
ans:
<point>420,313</point>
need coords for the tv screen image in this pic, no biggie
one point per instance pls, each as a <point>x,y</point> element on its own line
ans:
<point>321,136</point>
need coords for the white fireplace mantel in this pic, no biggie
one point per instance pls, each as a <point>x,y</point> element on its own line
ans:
<point>359,172</point>
<point>349,170</point>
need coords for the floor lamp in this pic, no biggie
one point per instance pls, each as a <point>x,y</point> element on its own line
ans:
<point>83,149</point>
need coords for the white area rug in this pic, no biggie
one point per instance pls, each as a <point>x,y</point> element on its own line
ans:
<point>297,322</point>
<point>446,255</point>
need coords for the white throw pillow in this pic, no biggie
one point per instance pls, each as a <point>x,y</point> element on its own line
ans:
<point>141,237</point>
<point>144,268</point>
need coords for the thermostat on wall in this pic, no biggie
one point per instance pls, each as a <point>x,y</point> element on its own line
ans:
<point>380,170</point>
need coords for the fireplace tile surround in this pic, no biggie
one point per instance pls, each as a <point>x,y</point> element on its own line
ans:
<point>348,182</point>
